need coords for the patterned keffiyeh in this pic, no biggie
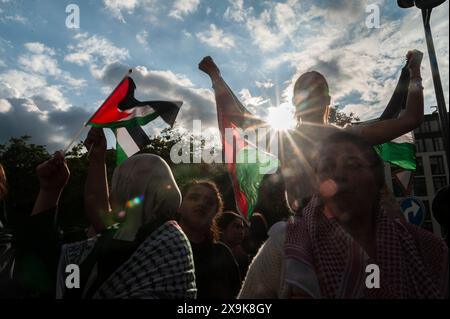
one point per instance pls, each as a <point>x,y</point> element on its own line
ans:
<point>413,263</point>
<point>161,267</point>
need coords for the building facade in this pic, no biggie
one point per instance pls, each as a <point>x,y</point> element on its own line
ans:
<point>431,173</point>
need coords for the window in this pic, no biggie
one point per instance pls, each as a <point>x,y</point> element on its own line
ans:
<point>438,145</point>
<point>420,147</point>
<point>420,186</point>
<point>434,125</point>
<point>437,165</point>
<point>439,182</point>
<point>419,166</point>
<point>429,147</point>
<point>426,127</point>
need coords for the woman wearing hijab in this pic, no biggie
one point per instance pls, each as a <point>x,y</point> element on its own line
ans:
<point>325,251</point>
<point>144,255</point>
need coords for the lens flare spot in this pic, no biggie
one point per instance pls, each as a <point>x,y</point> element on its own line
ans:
<point>328,188</point>
<point>121,214</point>
<point>134,201</point>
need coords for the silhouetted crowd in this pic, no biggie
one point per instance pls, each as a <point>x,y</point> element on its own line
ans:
<point>320,221</point>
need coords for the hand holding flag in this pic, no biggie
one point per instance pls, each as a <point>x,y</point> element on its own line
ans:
<point>123,113</point>
<point>95,143</point>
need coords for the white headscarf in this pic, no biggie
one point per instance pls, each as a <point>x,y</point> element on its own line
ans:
<point>146,182</point>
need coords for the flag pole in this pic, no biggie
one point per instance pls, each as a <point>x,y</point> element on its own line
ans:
<point>86,122</point>
<point>74,138</point>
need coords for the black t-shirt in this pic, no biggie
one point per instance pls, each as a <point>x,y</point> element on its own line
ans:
<point>216,271</point>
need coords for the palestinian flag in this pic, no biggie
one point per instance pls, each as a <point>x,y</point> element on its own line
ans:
<point>125,115</point>
<point>403,179</point>
<point>400,152</point>
<point>129,141</point>
<point>121,109</point>
<point>246,164</point>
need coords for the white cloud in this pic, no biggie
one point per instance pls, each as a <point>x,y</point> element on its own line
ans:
<point>39,48</point>
<point>252,102</point>
<point>95,51</point>
<point>31,82</point>
<point>41,61</point>
<point>80,58</point>
<point>285,18</point>
<point>236,12</point>
<point>18,83</point>
<point>150,10</point>
<point>142,38</point>
<point>5,106</point>
<point>265,85</point>
<point>272,27</point>
<point>363,111</point>
<point>362,65</point>
<point>53,129</point>
<point>187,34</point>
<point>50,98</point>
<point>15,18</point>
<point>216,38</point>
<point>275,25</point>
<point>262,34</point>
<point>183,8</point>
<point>116,7</point>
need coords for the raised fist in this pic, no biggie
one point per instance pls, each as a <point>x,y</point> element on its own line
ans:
<point>208,66</point>
<point>54,173</point>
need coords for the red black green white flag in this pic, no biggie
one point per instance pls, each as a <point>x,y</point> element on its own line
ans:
<point>245,172</point>
<point>123,113</point>
<point>121,109</point>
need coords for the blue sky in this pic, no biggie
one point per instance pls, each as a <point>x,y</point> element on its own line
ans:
<point>53,77</point>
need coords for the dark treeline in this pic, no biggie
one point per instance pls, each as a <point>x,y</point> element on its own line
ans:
<point>20,158</point>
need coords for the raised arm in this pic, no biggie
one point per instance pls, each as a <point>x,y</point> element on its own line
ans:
<point>96,192</point>
<point>36,240</point>
<point>226,100</point>
<point>387,130</point>
<point>53,176</point>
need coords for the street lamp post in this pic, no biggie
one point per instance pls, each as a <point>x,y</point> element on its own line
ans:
<point>442,110</point>
<point>427,6</point>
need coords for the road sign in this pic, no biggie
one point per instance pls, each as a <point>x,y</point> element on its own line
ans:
<point>414,210</point>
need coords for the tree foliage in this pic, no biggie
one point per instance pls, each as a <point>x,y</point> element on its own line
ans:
<point>20,159</point>
<point>340,118</point>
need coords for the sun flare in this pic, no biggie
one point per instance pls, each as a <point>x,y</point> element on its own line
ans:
<point>281,117</point>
